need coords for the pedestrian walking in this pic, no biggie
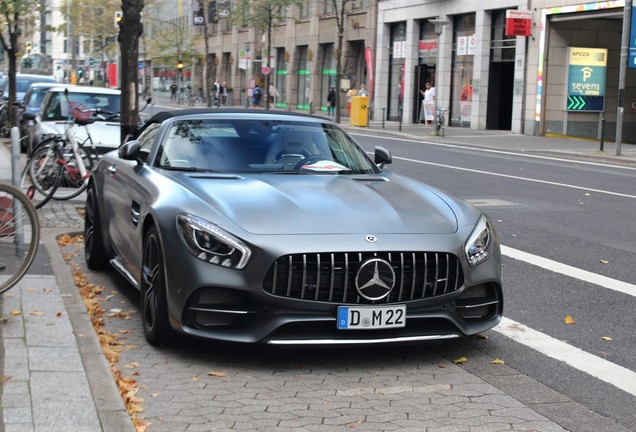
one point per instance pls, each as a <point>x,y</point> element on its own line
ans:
<point>257,95</point>
<point>363,90</point>
<point>224,93</point>
<point>273,95</point>
<point>331,102</point>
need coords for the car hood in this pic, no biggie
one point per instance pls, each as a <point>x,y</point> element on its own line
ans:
<point>323,204</point>
<point>105,134</point>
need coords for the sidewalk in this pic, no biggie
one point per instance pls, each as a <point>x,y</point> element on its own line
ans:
<point>55,377</point>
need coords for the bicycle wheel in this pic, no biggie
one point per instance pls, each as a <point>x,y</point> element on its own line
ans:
<point>19,235</point>
<point>71,183</point>
<point>41,175</point>
<point>197,101</point>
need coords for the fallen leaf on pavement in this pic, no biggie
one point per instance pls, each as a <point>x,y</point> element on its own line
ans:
<point>569,320</point>
<point>604,261</point>
<point>16,312</point>
<point>607,338</point>
<point>132,365</point>
<point>441,366</point>
<point>216,374</point>
<point>498,361</point>
<point>195,378</point>
<point>460,360</point>
<point>36,313</point>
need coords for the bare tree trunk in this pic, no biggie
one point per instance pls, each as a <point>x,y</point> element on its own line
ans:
<point>129,33</point>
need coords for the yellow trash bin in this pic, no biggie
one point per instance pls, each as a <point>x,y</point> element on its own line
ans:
<point>360,111</point>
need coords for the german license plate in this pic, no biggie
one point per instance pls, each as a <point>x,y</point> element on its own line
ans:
<point>371,317</point>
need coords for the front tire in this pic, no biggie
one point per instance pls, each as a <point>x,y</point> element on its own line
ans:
<point>94,251</point>
<point>154,304</point>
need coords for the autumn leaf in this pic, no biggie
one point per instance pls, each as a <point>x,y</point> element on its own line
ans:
<point>16,312</point>
<point>132,365</point>
<point>216,374</point>
<point>441,366</point>
<point>460,360</point>
<point>36,313</point>
<point>58,314</point>
<point>607,338</point>
<point>604,261</point>
<point>195,378</point>
<point>498,361</point>
<point>569,320</point>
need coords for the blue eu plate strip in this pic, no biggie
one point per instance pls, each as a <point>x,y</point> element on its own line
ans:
<point>343,317</point>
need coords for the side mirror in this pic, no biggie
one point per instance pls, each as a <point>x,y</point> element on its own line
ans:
<point>130,151</point>
<point>382,157</point>
<point>29,116</point>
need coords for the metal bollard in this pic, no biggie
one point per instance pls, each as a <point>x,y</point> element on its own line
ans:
<point>383,115</point>
<point>15,156</point>
<point>400,116</point>
<point>602,132</point>
<point>19,239</point>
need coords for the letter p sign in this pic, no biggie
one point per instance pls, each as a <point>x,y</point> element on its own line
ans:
<point>587,73</point>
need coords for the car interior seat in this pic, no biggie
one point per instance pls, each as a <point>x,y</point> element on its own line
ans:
<point>291,145</point>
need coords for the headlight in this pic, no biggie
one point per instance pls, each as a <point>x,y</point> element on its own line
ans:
<point>476,247</point>
<point>212,244</point>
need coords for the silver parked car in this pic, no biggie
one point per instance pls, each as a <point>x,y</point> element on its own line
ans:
<point>271,227</point>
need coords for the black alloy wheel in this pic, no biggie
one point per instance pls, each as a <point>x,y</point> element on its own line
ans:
<point>94,252</point>
<point>154,305</point>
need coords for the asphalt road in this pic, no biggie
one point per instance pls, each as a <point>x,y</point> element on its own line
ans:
<point>574,212</point>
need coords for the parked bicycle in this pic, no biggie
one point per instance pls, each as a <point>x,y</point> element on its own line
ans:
<point>59,166</point>
<point>440,121</point>
<point>19,235</point>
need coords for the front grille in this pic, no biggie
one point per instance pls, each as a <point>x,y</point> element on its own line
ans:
<point>330,277</point>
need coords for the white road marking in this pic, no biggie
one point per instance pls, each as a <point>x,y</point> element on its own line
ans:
<point>517,177</point>
<point>504,152</point>
<point>564,269</point>
<point>595,366</point>
<point>611,373</point>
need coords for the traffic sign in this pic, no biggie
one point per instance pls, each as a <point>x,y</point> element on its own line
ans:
<point>265,70</point>
<point>586,103</point>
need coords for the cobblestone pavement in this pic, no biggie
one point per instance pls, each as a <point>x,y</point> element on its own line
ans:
<point>203,386</point>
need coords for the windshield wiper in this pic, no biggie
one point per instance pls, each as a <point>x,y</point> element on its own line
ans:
<point>189,169</point>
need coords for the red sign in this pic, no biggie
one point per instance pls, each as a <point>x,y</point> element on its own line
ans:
<point>518,23</point>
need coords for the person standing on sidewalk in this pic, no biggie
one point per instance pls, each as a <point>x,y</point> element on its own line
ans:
<point>173,92</point>
<point>331,102</point>
<point>273,96</point>
<point>428,103</point>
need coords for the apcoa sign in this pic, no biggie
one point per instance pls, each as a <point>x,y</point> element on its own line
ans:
<point>586,79</point>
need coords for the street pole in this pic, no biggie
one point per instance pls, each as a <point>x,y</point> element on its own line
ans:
<point>627,11</point>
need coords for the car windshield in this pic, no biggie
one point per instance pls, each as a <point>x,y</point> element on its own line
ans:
<point>57,107</point>
<point>262,146</point>
<point>37,97</point>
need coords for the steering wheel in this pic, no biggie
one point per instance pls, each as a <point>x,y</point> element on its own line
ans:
<point>103,114</point>
<point>308,160</point>
<point>289,156</point>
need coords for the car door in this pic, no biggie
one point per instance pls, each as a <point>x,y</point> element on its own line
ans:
<point>128,190</point>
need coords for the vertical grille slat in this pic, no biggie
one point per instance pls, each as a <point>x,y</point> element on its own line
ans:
<point>413,275</point>
<point>318,271</point>
<point>332,278</point>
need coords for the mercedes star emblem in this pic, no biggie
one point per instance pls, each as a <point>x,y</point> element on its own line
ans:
<point>375,279</point>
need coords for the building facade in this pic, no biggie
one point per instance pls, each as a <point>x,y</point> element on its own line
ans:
<point>302,61</point>
<point>539,84</point>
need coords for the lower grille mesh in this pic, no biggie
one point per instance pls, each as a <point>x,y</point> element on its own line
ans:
<point>330,277</point>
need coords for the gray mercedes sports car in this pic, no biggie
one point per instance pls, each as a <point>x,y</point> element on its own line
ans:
<point>272,227</point>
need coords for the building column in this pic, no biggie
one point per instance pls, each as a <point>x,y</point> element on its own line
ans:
<point>382,52</point>
<point>481,67</point>
<point>412,55</point>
